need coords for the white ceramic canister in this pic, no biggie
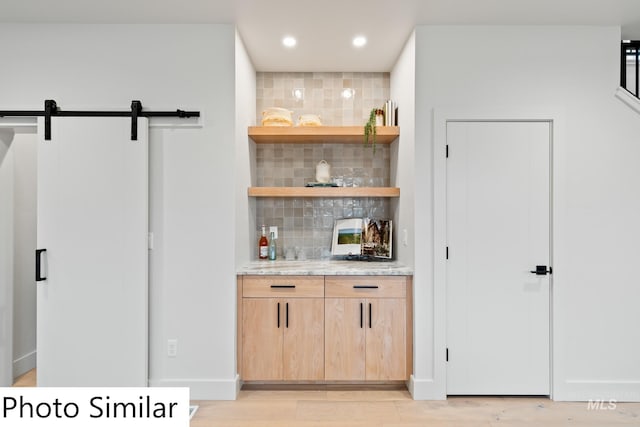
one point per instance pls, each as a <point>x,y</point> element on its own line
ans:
<point>323,172</point>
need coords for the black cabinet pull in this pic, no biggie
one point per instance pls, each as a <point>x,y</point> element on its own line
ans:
<point>278,315</point>
<point>361,315</point>
<point>39,277</point>
<point>283,286</point>
<point>369,315</point>
<point>286,319</point>
<point>365,286</point>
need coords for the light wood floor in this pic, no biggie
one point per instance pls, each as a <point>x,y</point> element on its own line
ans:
<point>26,380</point>
<point>395,408</point>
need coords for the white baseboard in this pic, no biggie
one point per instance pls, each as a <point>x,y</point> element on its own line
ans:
<point>24,364</point>
<point>425,389</point>
<point>204,389</point>
<point>586,390</point>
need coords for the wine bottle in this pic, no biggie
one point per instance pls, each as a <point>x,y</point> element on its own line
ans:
<point>272,246</point>
<point>263,245</point>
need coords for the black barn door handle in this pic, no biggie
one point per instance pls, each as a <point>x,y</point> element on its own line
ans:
<point>39,277</point>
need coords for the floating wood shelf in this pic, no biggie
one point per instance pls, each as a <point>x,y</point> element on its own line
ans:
<point>324,192</point>
<point>320,134</point>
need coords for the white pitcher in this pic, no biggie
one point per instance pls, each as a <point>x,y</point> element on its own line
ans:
<point>323,172</point>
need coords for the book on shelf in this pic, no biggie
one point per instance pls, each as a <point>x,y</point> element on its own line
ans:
<point>366,237</point>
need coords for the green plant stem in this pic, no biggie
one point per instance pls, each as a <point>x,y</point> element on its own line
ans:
<point>370,130</point>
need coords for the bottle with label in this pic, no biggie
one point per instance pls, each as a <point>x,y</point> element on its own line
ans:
<point>263,245</point>
<point>272,246</point>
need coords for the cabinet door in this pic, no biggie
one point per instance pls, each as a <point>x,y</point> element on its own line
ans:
<point>262,339</point>
<point>344,339</point>
<point>385,337</point>
<point>303,339</point>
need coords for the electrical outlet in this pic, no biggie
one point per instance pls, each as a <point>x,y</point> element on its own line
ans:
<point>405,237</point>
<point>273,229</point>
<point>172,348</point>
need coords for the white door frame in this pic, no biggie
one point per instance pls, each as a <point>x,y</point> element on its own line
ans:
<point>554,116</point>
<point>6,255</point>
<point>7,371</point>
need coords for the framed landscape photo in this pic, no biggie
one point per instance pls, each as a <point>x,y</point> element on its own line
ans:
<point>347,237</point>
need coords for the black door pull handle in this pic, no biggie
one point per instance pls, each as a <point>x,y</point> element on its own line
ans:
<point>541,270</point>
<point>39,253</point>
<point>283,286</point>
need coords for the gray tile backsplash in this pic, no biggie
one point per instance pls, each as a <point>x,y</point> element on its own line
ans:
<point>294,165</point>
<point>307,223</point>
<point>322,95</point>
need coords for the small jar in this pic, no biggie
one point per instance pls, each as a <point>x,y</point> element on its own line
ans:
<point>323,172</point>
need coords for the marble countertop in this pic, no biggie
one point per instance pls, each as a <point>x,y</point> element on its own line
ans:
<point>325,268</point>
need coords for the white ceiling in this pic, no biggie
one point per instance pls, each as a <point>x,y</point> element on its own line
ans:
<point>325,28</point>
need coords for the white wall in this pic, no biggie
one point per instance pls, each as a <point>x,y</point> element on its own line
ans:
<point>24,285</point>
<point>597,203</point>
<point>192,272</point>
<point>6,256</point>
<point>402,90</point>
<point>245,231</point>
<point>403,165</point>
<point>245,148</point>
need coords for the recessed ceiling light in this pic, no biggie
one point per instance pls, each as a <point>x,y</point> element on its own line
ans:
<point>289,41</point>
<point>359,41</point>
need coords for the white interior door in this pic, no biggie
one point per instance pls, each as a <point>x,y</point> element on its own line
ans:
<point>498,231</point>
<point>93,223</point>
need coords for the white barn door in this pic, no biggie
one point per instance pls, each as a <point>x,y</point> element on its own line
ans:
<point>93,223</point>
<point>498,231</point>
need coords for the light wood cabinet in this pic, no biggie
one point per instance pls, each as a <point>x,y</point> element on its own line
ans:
<point>325,329</point>
<point>263,338</point>
<point>385,354</point>
<point>366,329</point>
<point>365,339</point>
<point>283,328</point>
<point>303,348</point>
<point>344,339</point>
